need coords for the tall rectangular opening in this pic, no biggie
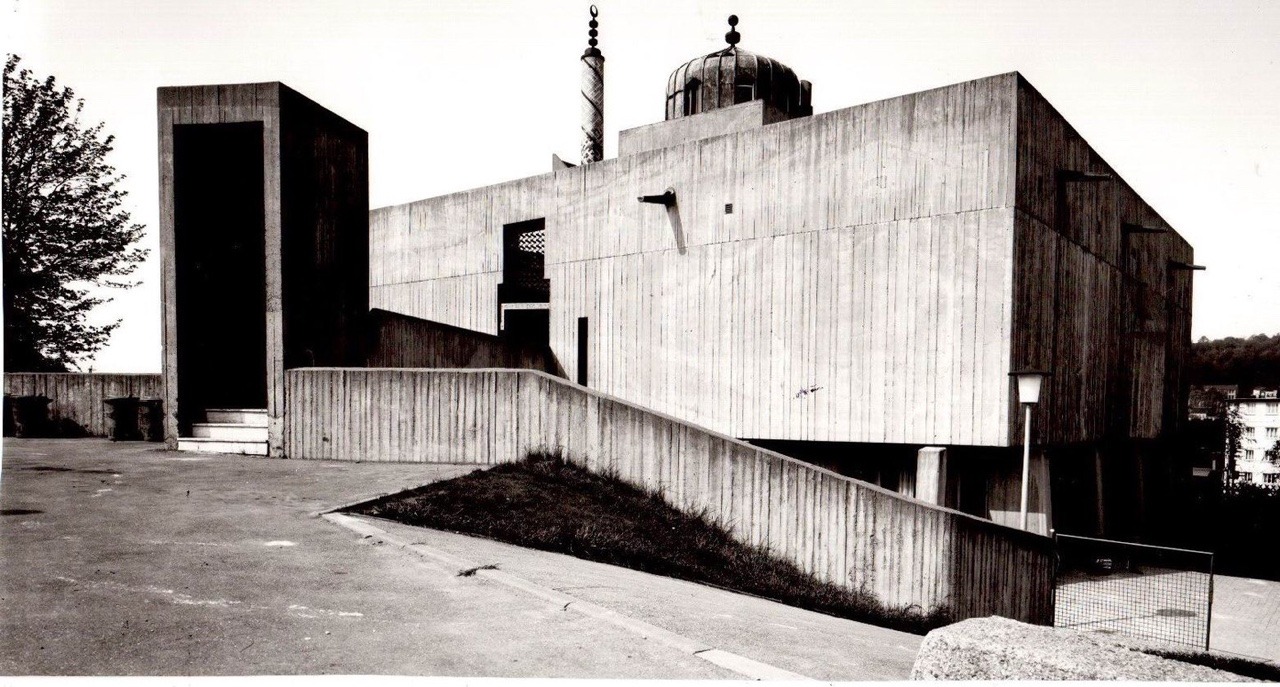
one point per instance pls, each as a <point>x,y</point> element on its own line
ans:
<point>524,278</point>
<point>524,295</point>
<point>220,268</point>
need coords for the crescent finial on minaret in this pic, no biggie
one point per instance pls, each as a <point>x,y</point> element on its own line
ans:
<point>592,33</point>
<point>592,95</point>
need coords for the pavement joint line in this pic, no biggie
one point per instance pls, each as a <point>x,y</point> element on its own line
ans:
<point>324,511</point>
<point>728,660</point>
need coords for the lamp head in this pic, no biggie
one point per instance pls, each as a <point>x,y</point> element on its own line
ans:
<point>1029,383</point>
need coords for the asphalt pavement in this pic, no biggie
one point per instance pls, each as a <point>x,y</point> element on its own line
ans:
<point>121,559</point>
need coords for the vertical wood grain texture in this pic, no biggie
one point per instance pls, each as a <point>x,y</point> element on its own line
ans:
<point>215,105</point>
<point>1100,308</point>
<point>848,532</point>
<point>77,397</point>
<point>315,193</point>
<point>396,340</point>
<point>866,263</point>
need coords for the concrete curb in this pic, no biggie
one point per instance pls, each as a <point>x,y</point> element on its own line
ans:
<point>741,665</point>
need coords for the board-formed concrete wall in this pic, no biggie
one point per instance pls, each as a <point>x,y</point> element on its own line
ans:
<point>866,261</point>
<point>1098,296</point>
<point>397,340</point>
<point>844,531</point>
<point>77,397</point>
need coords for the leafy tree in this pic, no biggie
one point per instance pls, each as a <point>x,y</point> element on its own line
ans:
<point>1251,362</point>
<point>65,231</point>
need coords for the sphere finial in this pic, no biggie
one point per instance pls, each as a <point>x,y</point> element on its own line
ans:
<point>592,33</point>
<point>733,36</point>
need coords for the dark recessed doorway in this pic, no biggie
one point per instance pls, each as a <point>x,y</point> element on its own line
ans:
<point>220,265</point>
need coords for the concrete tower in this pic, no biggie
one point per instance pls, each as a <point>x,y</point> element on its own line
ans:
<point>592,96</point>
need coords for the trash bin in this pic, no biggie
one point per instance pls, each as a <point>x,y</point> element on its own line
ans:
<point>151,419</point>
<point>30,416</point>
<point>123,418</point>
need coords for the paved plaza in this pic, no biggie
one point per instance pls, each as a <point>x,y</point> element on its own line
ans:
<point>121,559</point>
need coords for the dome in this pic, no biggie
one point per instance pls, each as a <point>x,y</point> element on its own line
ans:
<point>732,76</point>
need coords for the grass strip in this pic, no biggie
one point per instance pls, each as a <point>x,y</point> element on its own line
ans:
<point>544,502</point>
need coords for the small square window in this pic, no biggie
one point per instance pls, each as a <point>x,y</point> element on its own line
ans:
<point>728,208</point>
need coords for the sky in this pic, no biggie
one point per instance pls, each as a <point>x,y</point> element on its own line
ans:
<point>1181,98</point>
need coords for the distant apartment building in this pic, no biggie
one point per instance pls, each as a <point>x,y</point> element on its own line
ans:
<point>1259,432</point>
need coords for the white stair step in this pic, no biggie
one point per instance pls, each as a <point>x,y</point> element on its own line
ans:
<point>248,448</point>
<point>227,431</point>
<point>240,416</point>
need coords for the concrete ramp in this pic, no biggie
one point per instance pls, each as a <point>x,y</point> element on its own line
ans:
<point>903,551</point>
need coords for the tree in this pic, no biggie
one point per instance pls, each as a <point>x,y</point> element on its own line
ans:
<point>1232,431</point>
<point>1252,362</point>
<point>65,231</point>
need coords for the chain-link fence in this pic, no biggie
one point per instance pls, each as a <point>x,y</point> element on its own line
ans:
<point>1149,592</point>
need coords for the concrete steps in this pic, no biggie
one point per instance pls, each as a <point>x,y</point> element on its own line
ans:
<point>229,430</point>
<point>257,418</point>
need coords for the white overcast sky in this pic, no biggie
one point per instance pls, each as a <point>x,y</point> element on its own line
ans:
<point>1182,98</point>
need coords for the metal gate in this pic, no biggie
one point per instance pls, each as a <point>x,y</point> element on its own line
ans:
<point>1138,590</point>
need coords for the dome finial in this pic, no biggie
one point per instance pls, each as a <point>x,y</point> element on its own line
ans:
<point>592,33</point>
<point>733,36</point>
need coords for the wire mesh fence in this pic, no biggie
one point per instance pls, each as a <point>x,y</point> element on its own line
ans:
<point>1150,592</point>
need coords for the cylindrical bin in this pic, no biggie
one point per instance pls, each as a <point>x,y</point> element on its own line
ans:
<point>123,424</point>
<point>151,419</point>
<point>30,415</point>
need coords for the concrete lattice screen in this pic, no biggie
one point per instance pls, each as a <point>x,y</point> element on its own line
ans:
<point>905,552</point>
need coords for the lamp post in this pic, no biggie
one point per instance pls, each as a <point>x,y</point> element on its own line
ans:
<point>1029,382</point>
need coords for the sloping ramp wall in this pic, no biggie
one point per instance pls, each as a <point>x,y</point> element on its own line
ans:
<point>841,530</point>
<point>78,396</point>
<point>397,340</point>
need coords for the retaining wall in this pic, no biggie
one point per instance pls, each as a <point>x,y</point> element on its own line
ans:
<point>904,551</point>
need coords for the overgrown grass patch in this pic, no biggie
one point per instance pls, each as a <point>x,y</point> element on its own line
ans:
<point>546,503</point>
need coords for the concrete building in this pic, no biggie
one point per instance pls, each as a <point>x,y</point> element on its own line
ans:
<point>1259,416</point>
<point>852,288</point>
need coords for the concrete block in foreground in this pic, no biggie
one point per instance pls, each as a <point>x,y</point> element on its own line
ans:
<point>997,648</point>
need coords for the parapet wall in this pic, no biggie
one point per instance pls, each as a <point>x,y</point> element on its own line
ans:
<point>905,552</point>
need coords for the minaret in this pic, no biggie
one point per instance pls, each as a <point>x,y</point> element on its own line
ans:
<point>592,96</point>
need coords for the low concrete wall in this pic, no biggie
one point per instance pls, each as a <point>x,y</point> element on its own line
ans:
<point>77,408</point>
<point>397,340</point>
<point>904,551</point>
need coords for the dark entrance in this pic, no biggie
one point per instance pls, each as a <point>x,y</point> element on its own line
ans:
<point>523,296</point>
<point>220,268</point>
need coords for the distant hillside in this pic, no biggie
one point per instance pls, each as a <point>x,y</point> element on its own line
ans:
<point>1251,362</point>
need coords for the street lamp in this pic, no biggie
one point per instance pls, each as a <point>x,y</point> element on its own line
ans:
<point>1029,382</point>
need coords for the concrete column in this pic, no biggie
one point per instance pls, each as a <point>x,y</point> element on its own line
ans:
<point>1004,491</point>
<point>931,475</point>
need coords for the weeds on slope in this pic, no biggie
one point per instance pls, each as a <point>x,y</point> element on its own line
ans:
<point>544,502</point>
